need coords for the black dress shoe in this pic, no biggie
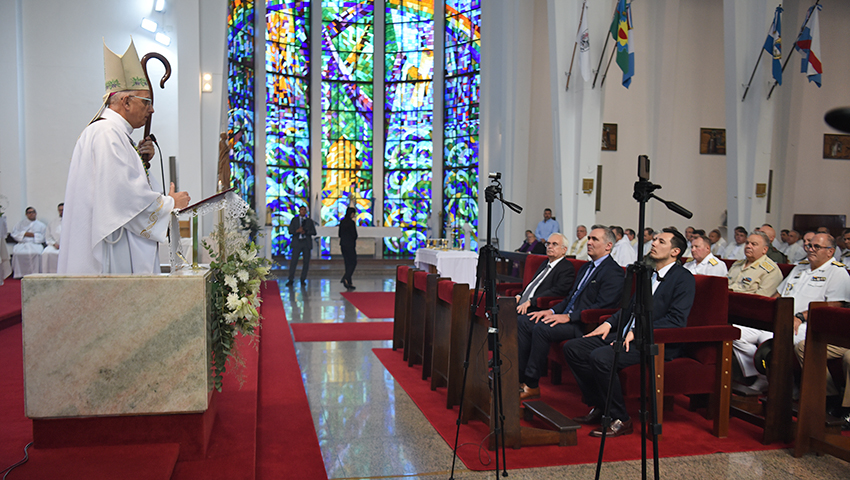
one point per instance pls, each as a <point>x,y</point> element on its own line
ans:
<point>289,283</point>
<point>617,428</point>
<point>350,287</point>
<point>592,418</point>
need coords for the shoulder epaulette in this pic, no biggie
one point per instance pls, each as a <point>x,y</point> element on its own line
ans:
<point>712,261</point>
<point>803,262</point>
<point>767,266</point>
<point>838,264</point>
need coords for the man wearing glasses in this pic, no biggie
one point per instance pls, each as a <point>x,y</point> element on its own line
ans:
<point>113,219</point>
<point>553,279</point>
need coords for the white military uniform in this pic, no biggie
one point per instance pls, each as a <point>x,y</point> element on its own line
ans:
<point>828,283</point>
<point>579,249</point>
<point>734,251</point>
<point>710,265</point>
<point>623,253</point>
<point>845,258</point>
<point>718,247</point>
<point>796,253</point>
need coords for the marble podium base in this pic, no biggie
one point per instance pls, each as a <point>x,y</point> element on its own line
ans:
<point>116,345</point>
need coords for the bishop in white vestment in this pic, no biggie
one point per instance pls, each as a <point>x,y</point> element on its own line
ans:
<point>113,219</point>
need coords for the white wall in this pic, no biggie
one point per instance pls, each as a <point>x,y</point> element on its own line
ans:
<point>61,67</point>
<point>674,92</point>
<point>808,183</point>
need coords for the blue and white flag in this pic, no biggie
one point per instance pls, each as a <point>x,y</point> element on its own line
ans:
<point>773,45</point>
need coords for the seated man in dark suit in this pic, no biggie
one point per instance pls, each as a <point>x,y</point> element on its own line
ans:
<point>553,279</point>
<point>591,358</point>
<point>599,285</point>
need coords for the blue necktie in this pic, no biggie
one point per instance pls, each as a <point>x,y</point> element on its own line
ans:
<point>584,281</point>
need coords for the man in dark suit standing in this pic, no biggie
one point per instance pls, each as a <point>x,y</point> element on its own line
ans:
<point>591,358</point>
<point>302,230</point>
<point>553,279</point>
<point>599,285</point>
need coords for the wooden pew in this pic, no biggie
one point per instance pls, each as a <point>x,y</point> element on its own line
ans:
<point>827,325</point>
<point>776,315</point>
<point>478,401</point>
<point>451,320</point>
<point>421,330</point>
<point>401,312</point>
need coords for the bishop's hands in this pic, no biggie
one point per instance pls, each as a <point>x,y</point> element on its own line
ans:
<point>181,199</point>
<point>146,148</point>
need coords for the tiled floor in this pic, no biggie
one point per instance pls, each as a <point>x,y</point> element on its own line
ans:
<point>369,428</point>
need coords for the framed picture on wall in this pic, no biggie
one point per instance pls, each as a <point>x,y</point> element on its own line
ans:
<point>609,137</point>
<point>712,141</point>
<point>836,146</point>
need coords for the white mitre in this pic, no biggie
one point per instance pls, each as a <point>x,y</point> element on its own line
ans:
<point>121,73</point>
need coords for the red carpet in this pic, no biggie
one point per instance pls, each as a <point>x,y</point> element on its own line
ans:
<point>10,303</point>
<point>342,332</point>
<point>287,445</point>
<point>231,452</point>
<point>373,304</point>
<point>685,433</point>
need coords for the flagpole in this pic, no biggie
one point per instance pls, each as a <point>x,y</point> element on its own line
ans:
<point>572,59</point>
<point>602,57</point>
<point>788,59</point>
<point>613,51</point>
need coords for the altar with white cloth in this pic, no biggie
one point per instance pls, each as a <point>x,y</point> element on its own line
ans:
<point>459,265</point>
<point>377,234</point>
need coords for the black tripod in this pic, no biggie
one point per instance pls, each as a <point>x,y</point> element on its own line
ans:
<point>487,264</point>
<point>641,310</point>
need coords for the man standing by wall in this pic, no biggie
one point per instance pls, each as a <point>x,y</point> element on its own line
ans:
<point>548,225</point>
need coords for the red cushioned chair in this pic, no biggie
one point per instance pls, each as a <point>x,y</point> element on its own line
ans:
<point>532,263</point>
<point>706,366</point>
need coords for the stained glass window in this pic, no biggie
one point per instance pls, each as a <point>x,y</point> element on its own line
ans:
<point>460,128</point>
<point>409,112</point>
<point>287,115</point>
<point>347,67</point>
<point>240,88</point>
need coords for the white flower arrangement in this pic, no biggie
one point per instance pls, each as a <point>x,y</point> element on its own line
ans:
<point>237,274</point>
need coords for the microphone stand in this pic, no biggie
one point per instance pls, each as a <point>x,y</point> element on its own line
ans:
<point>487,263</point>
<point>644,341</point>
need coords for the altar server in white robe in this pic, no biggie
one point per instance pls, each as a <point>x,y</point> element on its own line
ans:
<point>29,233</point>
<point>50,255</point>
<point>113,219</point>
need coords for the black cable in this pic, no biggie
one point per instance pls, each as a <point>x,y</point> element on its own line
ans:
<point>161,164</point>
<point>26,458</point>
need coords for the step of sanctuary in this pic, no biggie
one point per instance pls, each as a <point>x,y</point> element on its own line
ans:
<point>320,267</point>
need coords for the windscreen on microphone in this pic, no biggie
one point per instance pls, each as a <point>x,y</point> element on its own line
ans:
<point>839,119</point>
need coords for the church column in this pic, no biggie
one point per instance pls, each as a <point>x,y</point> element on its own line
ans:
<point>13,181</point>
<point>315,110</point>
<point>378,118</point>
<point>749,124</point>
<point>506,35</point>
<point>260,110</point>
<point>437,121</point>
<point>577,113</point>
